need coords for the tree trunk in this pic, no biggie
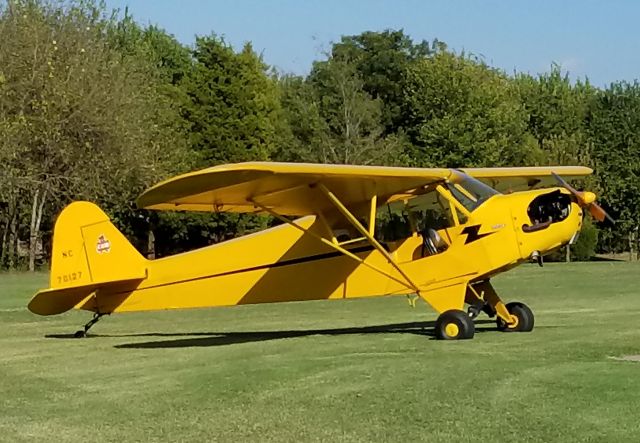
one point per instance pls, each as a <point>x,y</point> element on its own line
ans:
<point>5,247</point>
<point>5,238</point>
<point>34,229</point>
<point>33,239</point>
<point>13,242</point>
<point>151,245</point>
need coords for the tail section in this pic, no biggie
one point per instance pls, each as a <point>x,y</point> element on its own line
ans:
<point>88,252</point>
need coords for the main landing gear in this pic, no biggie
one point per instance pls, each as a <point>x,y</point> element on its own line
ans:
<point>83,332</point>
<point>455,324</point>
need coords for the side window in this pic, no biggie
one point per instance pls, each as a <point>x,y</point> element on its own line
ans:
<point>393,222</point>
<point>400,219</point>
<point>462,218</point>
<point>431,211</point>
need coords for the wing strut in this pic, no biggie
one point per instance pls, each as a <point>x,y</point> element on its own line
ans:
<point>368,235</point>
<point>336,246</point>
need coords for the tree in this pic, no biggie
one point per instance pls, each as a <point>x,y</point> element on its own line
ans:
<point>234,109</point>
<point>334,120</point>
<point>83,120</point>
<point>463,113</point>
<point>613,123</point>
<point>382,60</point>
<point>556,116</point>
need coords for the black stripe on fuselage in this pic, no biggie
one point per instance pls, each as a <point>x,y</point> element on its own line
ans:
<point>297,261</point>
<point>278,264</point>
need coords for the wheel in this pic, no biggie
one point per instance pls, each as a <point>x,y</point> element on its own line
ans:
<point>524,317</point>
<point>454,325</point>
<point>79,334</point>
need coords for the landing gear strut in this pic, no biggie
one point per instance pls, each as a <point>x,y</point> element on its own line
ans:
<point>523,316</point>
<point>83,332</point>
<point>513,317</point>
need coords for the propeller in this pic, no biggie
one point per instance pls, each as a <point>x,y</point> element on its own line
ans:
<point>586,200</point>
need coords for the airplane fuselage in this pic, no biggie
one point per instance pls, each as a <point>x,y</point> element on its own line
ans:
<point>285,263</point>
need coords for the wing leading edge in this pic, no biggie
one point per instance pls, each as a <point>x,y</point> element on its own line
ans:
<point>523,178</point>
<point>289,188</point>
<point>286,188</point>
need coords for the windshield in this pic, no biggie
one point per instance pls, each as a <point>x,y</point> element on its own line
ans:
<point>469,191</point>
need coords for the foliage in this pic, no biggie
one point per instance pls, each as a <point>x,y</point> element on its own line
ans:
<point>95,106</point>
<point>463,113</point>
<point>614,120</point>
<point>585,247</point>
<point>79,119</point>
<point>382,60</point>
<point>333,119</point>
<point>233,107</point>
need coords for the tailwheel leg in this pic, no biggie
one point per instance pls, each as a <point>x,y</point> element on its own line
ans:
<point>83,332</point>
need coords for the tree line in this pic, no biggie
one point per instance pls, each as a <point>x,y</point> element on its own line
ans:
<point>95,106</point>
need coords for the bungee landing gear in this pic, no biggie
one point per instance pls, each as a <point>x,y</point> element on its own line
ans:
<point>456,324</point>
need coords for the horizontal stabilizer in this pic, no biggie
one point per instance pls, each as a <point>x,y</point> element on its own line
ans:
<point>57,301</point>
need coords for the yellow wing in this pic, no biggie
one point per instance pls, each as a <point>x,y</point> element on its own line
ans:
<point>519,179</point>
<point>286,188</point>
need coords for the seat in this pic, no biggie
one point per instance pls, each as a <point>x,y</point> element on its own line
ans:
<point>432,243</point>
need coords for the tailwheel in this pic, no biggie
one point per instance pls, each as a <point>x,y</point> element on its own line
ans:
<point>83,332</point>
<point>454,325</point>
<point>522,316</point>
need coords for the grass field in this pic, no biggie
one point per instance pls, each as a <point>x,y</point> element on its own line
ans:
<point>356,370</point>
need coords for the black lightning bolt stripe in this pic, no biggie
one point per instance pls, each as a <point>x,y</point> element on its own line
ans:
<point>472,233</point>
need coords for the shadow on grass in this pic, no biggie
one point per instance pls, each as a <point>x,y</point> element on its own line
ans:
<point>607,259</point>
<point>204,339</point>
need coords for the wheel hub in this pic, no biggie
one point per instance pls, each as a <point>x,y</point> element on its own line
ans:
<point>452,329</point>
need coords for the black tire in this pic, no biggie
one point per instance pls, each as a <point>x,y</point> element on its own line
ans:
<point>454,325</point>
<point>525,318</point>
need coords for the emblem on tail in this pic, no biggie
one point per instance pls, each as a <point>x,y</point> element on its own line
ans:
<point>103,246</point>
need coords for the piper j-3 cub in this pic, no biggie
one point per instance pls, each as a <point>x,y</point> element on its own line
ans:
<point>346,232</point>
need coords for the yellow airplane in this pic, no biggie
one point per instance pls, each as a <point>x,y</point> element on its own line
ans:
<point>346,232</point>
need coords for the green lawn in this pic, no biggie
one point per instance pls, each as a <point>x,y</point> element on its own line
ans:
<point>356,370</point>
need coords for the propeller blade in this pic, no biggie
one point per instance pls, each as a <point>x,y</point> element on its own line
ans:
<point>595,209</point>
<point>600,214</point>
<point>567,186</point>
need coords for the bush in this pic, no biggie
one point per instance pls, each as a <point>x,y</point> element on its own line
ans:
<point>585,247</point>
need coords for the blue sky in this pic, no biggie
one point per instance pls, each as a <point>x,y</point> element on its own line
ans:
<point>597,39</point>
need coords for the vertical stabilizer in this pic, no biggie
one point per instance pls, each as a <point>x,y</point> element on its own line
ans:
<point>88,248</point>
<point>88,252</point>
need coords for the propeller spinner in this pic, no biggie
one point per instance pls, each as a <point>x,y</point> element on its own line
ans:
<point>587,200</point>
